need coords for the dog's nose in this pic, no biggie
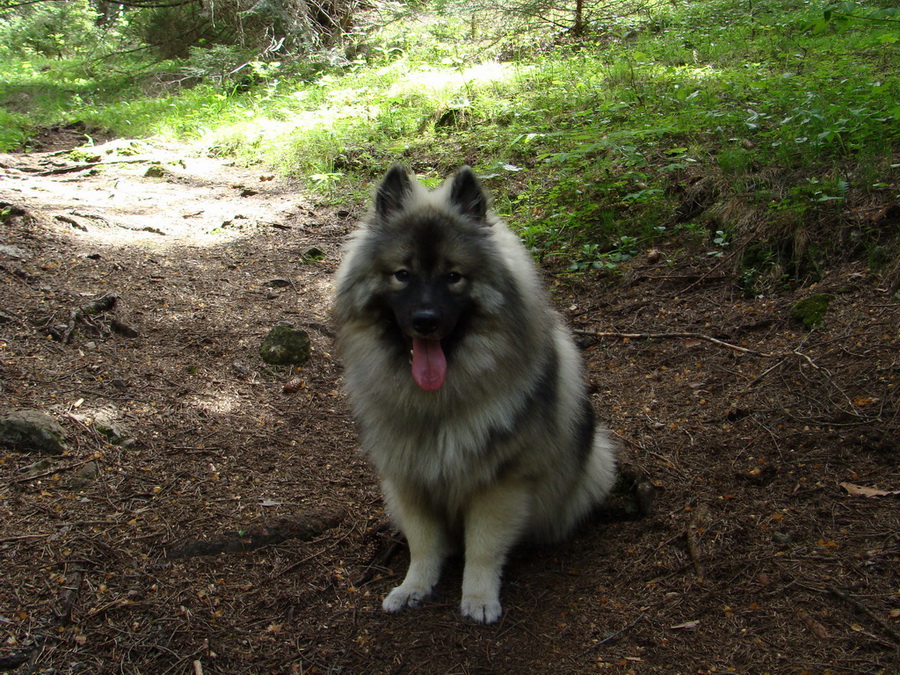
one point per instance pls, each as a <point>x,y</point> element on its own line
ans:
<point>426,321</point>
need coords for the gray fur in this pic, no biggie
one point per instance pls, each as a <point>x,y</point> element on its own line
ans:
<point>506,448</point>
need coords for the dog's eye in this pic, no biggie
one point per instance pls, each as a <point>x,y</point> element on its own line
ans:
<point>454,277</point>
<point>402,276</point>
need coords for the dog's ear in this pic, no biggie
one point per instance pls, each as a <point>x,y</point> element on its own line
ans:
<point>395,189</point>
<point>467,195</point>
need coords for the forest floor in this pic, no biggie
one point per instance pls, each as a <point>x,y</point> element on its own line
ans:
<point>231,525</point>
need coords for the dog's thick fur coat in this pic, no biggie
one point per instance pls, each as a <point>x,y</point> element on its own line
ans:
<point>485,434</point>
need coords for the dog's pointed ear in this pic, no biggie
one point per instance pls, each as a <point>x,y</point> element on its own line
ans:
<point>468,196</point>
<point>394,190</point>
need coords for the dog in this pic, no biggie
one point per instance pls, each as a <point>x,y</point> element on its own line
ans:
<point>468,390</point>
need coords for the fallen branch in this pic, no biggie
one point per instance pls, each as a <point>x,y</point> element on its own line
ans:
<point>68,220</point>
<point>694,528</point>
<point>662,336</point>
<point>69,169</point>
<point>104,303</point>
<point>885,626</point>
<point>69,595</point>
<point>303,528</point>
<point>88,165</point>
<point>50,472</point>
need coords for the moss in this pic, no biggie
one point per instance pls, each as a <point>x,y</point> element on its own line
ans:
<point>285,346</point>
<point>156,171</point>
<point>811,311</point>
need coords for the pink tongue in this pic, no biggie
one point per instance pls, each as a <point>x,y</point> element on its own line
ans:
<point>429,365</point>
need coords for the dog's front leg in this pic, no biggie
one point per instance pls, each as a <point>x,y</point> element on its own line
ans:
<point>426,534</point>
<point>494,522</point>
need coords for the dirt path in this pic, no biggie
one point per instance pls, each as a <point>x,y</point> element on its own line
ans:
<point>759,556</point>
<point>129,193</point>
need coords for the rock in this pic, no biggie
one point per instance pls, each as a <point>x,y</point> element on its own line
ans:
<point>285,346</point>
<point>312,254</point>
<point>122,329</point>
<point>32,430</point>
<point>16,252</point>
<point>811,311</point>
<point>85,476</point>
<point>156,171</point>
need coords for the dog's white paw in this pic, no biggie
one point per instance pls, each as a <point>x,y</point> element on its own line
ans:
<point>480,609</point>
<point>405,596</point>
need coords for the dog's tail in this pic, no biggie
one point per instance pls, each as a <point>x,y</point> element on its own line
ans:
<point>596,482</point>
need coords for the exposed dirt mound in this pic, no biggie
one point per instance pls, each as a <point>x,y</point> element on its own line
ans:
<point>213,514</point>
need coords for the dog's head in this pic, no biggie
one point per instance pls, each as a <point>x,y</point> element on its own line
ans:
<point>414,266</point>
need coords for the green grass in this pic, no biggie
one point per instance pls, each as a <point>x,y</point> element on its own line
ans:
<point>592,148</point>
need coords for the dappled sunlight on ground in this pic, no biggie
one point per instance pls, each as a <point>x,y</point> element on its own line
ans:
<point>127,193</point>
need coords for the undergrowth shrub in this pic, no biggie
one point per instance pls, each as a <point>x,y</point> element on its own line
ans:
<point>53,29</point>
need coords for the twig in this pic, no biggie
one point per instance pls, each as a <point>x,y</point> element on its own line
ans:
<point>698,336</point>
<point>715,341</point>
<point>69,595</point>
<point>716,268</point>
<point>69,169</point>
<point>610,638</point>
<point>88,165</point>
<point>50,472</point>
<point>24,537</point>
<point>696,524</point>
<point>808,360</point>
<point>761,376</point>
<point>693,550</point>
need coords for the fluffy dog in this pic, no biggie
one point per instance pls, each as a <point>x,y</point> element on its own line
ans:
<point>468,390</point>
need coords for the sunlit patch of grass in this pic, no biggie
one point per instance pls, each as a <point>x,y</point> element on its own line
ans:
<point>771,104</point>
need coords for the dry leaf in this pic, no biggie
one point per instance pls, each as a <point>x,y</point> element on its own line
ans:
<point>862,491</point>
<point>687,625</point>
<point>814,626</point>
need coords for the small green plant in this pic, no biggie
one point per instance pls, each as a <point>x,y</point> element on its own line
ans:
<point>813,193</point>
<point>325,183</point>
<point>12,135</point>
<point>720,239</point>
<point>592,257</point>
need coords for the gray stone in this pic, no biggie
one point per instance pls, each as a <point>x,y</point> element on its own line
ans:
<point>32,431</point>
<point>15,252</point>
